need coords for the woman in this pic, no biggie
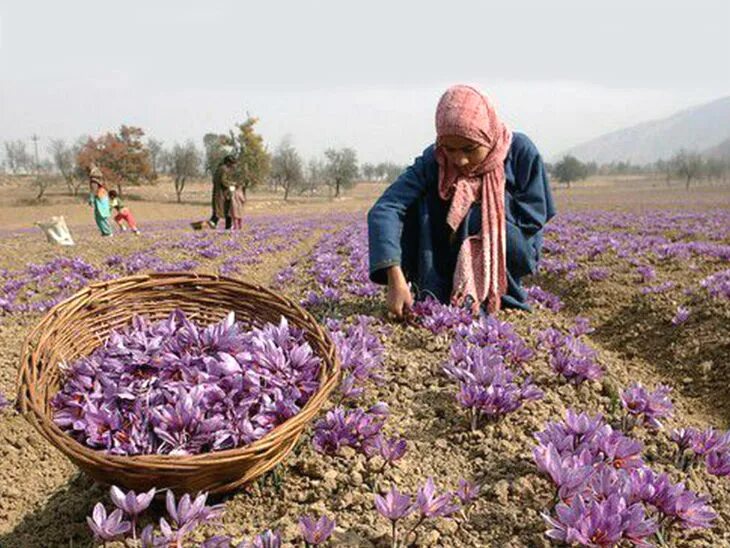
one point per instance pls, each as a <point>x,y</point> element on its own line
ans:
<point>99,199</point>
<point>221,198</point>
<point>464,222</point>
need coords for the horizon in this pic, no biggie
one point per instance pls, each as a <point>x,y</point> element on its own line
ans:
<point>62,77</point>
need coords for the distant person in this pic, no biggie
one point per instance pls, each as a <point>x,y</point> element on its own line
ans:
<point>464,222</point>
<point>123,216</point>
<point>223,190</point>
<point>99,199</point>
<point>238,200</point>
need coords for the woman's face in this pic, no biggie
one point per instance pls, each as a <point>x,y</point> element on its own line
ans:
<point>463,153</point>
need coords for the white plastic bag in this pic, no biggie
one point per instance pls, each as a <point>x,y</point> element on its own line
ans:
<point>56,231</point>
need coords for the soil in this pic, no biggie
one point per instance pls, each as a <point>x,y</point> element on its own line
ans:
<point>44,499</point>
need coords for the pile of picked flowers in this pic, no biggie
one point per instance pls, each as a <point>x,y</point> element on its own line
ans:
<point>176,387</point>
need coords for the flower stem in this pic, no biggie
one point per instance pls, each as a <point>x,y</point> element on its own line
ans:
<point>474,419</point>
<point>413,529</point>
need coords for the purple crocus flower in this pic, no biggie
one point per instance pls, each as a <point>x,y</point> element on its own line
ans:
<point>709,440</point>
<point>683,437</point>
<point>131,503</point>
<point>316,532</point>
<point>648,406</point>
<point>218,541</point>
<point>673,501</point>
<point>582,425</point>
<point>394,505</point>
<point>432,505</point>
<point>646,273</point>
<point>599,523</point>
<point>149,539</point>
<point>568,475</point>
<point>581,326</point>
<point>693,511</point>
<point>718,463</point>
<point>191,511</point>
<point>390,450</point>
<point>267,539</point>
<point>467,492</point>
<point>619,450</point>
<point>107,527</point>
<point>681,315</point>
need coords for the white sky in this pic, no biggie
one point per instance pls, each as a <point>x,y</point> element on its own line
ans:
<point>360,74</point>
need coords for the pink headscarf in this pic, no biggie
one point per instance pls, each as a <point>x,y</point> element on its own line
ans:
<point>481,269</point>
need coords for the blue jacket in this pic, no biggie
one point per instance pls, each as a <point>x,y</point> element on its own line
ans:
<point>407,225</point>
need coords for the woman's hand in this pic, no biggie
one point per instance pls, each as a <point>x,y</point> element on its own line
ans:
<point>399,297</point>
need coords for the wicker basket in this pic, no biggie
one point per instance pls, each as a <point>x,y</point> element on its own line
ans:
<point>80,324</point>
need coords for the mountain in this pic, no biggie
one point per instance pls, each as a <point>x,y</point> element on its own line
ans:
<point>698,128</point>
<point>719,151</point>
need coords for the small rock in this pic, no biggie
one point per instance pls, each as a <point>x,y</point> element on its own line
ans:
<point>348,452</point>
<point>447,526</point>
<point>442,443</point>
<point>356,479</point>
<point>306,497</point>
<point>523,487</point>
<point>687,380</point>
<point>501,491</point>
<point>350,539</point>
<point>431,538</point>
<point>312,469</point>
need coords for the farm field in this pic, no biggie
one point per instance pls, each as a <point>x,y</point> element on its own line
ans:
<point>634,287</point>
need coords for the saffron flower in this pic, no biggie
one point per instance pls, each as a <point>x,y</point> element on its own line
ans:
<point>107,527</point>
<point>316,532</point>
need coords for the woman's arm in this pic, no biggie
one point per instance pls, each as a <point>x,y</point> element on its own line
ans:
<point>385,225</point>
<point>531,207</point>
<point>385,218</point>
<point>532,200</point>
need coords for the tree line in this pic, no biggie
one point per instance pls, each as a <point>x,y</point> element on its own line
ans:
<point>687,166</point>
<point>125,157</point>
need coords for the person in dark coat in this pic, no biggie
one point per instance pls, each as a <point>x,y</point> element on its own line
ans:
<point>464,223</point>
<point>223,188</point>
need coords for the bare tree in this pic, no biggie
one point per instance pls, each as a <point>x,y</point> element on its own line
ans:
<point>43,178</point>
<point>156,158</point>
<point>64,160</point>
<point>185,161</point>
<point>286,167</point>
<point>368,171</point>
<point>341,168</point>
<point>17,157</point>
<point>687,165</point>
<point>313,178</point>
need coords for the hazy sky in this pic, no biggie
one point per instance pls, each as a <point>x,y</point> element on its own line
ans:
<point>360,74</point>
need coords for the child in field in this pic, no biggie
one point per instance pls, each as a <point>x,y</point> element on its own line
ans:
<point>238,200</point>
<point>123,214</point>
<point>99,198</point>
<point>464,222</point>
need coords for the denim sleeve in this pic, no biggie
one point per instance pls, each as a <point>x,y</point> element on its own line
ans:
<point>532,200</point>
<point>385,218</point>
<point>529,208</point>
